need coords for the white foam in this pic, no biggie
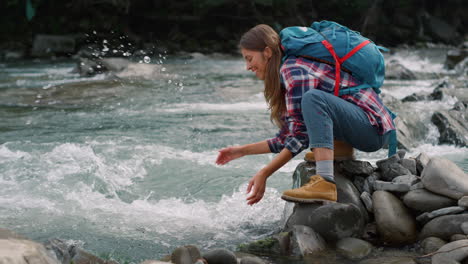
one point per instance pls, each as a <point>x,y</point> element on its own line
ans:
<point>6,155</point>
<point>205,107</point>
<point>417,63</point>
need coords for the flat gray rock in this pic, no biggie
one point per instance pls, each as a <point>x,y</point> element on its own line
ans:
<point>410,164</point>
<point>444,226</point>
<point>423,200</point>
<point>391,187</point>
<point>425,217</point>
<point>444,177</point>
<point>453,251</point>
<point>353,248</point>
<point>395,223</point>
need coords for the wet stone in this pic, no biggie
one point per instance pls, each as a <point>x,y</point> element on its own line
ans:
<point>401,153</point>
<point>353,248</point>
<point>444,226</point>
<point>220,256</point>
<point>454,251</point>
<point>444,177</point>
<point>432,244</point>
<point>410,164</point>
<point>440,212</point>
<point>391,187</point>
<point>457,237</point>
<point>406,179</point>
<point>421,161</point>
<point>464,228</point>
<point>384,164</point>
<point>367,200</point>
<point>463,201</point>
<point>394,170</point>
<point>423,200</point>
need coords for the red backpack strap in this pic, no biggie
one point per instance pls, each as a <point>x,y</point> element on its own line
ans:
<point>337,66</point>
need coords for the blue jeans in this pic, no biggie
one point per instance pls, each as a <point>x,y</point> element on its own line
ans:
<point>328,117</point>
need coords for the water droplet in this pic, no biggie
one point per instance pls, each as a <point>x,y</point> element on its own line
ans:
<point>147,59</point>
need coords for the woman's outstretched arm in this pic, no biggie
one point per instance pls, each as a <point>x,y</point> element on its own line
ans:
<point>231,153</point>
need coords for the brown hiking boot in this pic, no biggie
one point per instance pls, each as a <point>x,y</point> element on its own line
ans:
<point>342,151</point>
<point>316,190</point>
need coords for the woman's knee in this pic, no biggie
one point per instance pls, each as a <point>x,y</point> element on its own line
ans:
<point>313,97</point>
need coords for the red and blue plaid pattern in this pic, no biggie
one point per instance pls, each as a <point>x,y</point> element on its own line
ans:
<point>298,75</point>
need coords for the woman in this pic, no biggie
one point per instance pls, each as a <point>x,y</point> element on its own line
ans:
<point>299,93</point>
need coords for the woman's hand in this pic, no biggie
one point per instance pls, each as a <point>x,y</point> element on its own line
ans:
<point>256,188</point>
<point>230,153</point>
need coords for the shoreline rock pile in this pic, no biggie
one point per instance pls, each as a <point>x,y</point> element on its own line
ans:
<point>419,202</point>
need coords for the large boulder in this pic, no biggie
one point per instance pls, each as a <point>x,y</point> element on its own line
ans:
<point>444,226</point>
<point>332,221</point>
<point>305,241</point>
<point>452,126</point>
<point>444,177</point>
<point>395,70</point>
<point>454,57</point>
<point>395,223</point>
<point>423,200</point>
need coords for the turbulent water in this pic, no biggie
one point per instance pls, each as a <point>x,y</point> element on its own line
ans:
<point>125,165</point>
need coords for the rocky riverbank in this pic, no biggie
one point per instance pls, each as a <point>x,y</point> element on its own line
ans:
<point>404,210</point>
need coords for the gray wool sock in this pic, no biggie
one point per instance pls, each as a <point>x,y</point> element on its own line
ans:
<point>325,169</point>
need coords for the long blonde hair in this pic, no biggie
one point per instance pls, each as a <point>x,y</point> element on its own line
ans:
<point>257,39</point>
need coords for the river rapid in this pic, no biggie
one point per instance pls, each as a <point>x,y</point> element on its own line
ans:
<point>125,166</point>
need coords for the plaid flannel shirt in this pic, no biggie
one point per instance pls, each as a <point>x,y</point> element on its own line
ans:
<point>298,75</point>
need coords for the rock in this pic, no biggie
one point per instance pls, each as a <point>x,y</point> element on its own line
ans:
<point>394,170</point>
<point>305,241</point>
<point>278,244</point>
<point>47,45</point>
<point>353,168</point>
<point>457,237</point>
<point>432,244</point>
<point>252,260</point>
<point>423,200</point>
<point>220,256</point>
<point>348,194</point>
<point>389,260</point>
<point>406,179</point>
<point>425,217</point>
<point>114,64</point>
<point>82,257</point>
<point>445,177</point>
<point>391,187</point>
<point>410,164</point>
<point>15,251</point>
<point>464,228</point>
<point>185,255</point>
<point>463,201</point>
<point>369,183</point>
<point>395,70</point>
<point>456,251</point>
<point>384,164</point>
<point>156,262</point>
<point>414,97</point>
<point>60,250</point>
<point>394,222</point>
<point>421,161</point>
<point>359,183</point>
<point>452,126</point>
<point>444,226</point>
<point>332,221</point>
<point>417,186</point>
<point>454,57</point>
<point>353,248</point>
<point>367,200</point>
<point>405,135</point>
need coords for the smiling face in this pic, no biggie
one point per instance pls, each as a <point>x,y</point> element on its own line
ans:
<point>256,61</point>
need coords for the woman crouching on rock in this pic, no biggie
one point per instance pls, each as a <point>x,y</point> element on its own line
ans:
<point>299,93</point>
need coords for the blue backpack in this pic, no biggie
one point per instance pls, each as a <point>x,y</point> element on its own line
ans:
<point>335,44</point>
<point>332,43</point>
